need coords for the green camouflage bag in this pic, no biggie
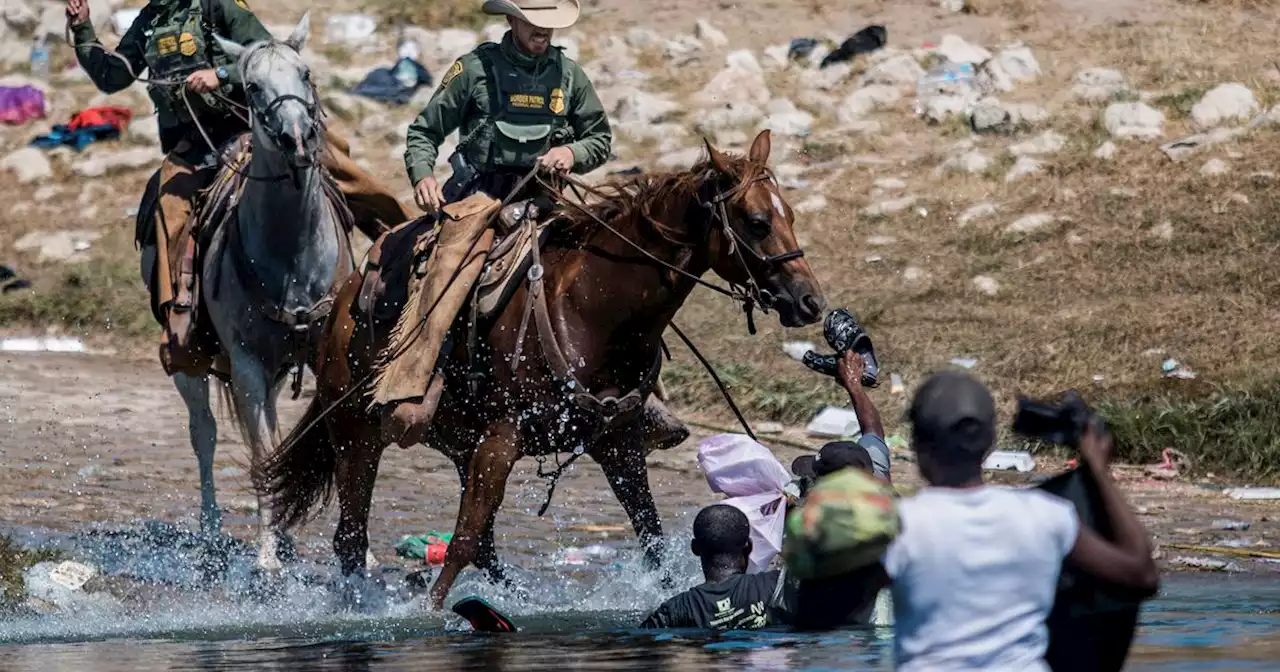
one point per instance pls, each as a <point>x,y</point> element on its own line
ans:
<point>847,521</point>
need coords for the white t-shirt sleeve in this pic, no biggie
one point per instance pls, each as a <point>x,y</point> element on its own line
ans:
<point>1059,516</point>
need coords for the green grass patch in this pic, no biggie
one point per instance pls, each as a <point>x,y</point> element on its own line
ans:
<point>1179,104</point>
<point>1231,431</point>
<point>14,561</point>
<point>98,295</point>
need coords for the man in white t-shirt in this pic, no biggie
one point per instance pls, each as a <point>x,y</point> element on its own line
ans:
<point>975,568</point>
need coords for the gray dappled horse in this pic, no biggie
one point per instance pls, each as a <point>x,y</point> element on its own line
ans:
<point>277,255</point>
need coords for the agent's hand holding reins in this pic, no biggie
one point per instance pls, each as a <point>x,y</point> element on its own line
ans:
<point>557,159</point>
<point>77,12</point>
<point>203,81</point>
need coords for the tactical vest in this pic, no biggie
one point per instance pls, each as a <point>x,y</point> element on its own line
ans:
<point>527,113</point>
<point>178,44</point>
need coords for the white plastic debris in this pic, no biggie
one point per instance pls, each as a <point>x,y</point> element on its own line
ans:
<point>964,362</point>
<point>796,349</point>
<point>895,384</point>
<point>835,422</point>
<point>1005,460</point>
<point>1172,368</point>
<point>72,575</point>
<point>50,344</point>
<point>769,428</point>
<point>1252,493</point>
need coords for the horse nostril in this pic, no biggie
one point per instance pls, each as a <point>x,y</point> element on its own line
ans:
<point>812,303</point>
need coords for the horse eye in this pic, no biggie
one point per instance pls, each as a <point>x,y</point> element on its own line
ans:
<point>760,226</point>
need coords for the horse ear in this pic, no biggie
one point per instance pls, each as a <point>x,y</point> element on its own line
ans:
<point>718,159</point>
<point>760,148</point>
<point>298,37</point>
<point>232,49</point>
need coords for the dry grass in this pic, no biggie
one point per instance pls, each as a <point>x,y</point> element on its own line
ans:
<point>1009,9</point>
<point>431,14</point>
<point>14,561</point>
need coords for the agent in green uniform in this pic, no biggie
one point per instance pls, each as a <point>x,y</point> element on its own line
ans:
<point>515,104</point>
<point>173,40</point>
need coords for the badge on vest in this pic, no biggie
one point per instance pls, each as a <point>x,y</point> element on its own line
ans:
<point>527,101</point>
<point>187,44</point>
<point>166,45</point>
<point>557,101</point>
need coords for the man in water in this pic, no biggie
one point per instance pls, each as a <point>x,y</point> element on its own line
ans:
<point>730,598</point>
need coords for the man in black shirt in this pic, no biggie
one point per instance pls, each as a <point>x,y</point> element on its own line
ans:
<point>730,599</point>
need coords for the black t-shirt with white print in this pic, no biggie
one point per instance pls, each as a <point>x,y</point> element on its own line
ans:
<point>740,602</point>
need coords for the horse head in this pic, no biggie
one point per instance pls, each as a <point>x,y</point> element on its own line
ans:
<point>757,247</point>
<point>284,108</point>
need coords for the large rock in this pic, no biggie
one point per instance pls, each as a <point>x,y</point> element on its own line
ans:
<point>57,245</point>
<point>866,100</point>
<point>1133,120</point>
<point>709,34</point>
<point>105,163</point>
<point>882,208</point>
<point>1048,142</point>
<point>938,109</point>
<point>145,130</point>
<point>1023,167</point>
<point>1019,63</point>
<point>1029,223</point>
<point>897,70</point>
<point>728,116</point>
<point>681,48</point>
<point>1214,168</point>
<point>1223,104</point>
<point>741,81</point>
<point>680,160</point>
<point>442,47</point>
<point>28,165</point>
<point>636,106</point>
<point>971,162</point>
<point>783,118</point>
<point>976,212</point>
<point>1099,85</point>
<point>957,50</point>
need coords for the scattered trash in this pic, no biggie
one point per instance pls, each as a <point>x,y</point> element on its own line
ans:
<point>85,127</point>
<point>947,78</point>
<point>1099,380</point>
<point>1208,564</point>
<point>801,47</point>
<point>1172,368</point>
<point>1234,525</point>
<point>1005,460</point>
<point>430,547</point>
<point>1265,553</point>
<point>769,428</point>
<point>874,259</point>
<point>20,104</point>
<point>1168,467</point>
<point>835,422</point>
<point>48,344</point>
<point>964,362</point>
<point>895,384</point>
<point>1252,493</point>
<point>395,85</point>
<point>9,280</point>
<point>755,483</point>
<point>864,41</point>
<point>1242,542</point>
<point>796,349</point>
<point>72,575</point>
<point>40,58</point>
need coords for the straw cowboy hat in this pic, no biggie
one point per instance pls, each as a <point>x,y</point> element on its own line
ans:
<point>549,14</point>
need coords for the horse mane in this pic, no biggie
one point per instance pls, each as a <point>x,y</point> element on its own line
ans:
<point>632,197</point>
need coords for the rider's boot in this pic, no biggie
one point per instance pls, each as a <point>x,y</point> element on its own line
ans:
<point>374,208</point>
<point>452,269</point>
<point>176,284</point>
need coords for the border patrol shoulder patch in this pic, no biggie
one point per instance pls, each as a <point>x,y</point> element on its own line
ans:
<point>242,5</point>
<point>452,74</point>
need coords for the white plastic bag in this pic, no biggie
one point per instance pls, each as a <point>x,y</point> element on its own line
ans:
<point>754,480</point>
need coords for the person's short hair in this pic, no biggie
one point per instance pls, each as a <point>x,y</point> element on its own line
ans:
<point>833,457</point>
<point>953,416</point>
<point>721,529</point>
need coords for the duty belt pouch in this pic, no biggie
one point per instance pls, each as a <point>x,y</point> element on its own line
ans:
<point>464,177</point>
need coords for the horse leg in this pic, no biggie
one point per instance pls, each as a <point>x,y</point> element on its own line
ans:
<point>487,475</point>
<point>623,464</point>
<point>254,397</point>
<point>358,458</point>
<point>203,429</point>
<point>487,551</point>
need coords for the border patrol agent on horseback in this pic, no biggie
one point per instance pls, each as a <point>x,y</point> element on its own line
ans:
<point>515,104</point>
<point>173,40</point>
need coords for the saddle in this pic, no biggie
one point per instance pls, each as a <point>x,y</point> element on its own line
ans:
<point>398,260</point>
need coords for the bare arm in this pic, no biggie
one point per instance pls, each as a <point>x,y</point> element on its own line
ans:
<point>1127,560</point>
<point>851,369</point>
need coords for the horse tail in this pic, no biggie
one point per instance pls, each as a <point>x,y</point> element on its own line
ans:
<point>299,474</point>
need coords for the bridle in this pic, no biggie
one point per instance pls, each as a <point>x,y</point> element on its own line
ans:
<point>262,119</point>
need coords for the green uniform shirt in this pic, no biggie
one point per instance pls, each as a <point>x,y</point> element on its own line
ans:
<point>464,102</point>
<point>234,22</point>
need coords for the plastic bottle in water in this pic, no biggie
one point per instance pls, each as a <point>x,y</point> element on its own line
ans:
<point>40,59</point>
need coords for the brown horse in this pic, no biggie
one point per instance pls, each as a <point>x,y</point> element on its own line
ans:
<point>615,274</point>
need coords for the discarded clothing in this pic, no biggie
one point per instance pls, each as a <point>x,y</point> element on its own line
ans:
<point>415,546</point>
<point>864,41</point>
<point>9,280</point>
<point>86,127</point>
<point>20,104</point>
<point>394,85</point>
<point>801,47</point>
